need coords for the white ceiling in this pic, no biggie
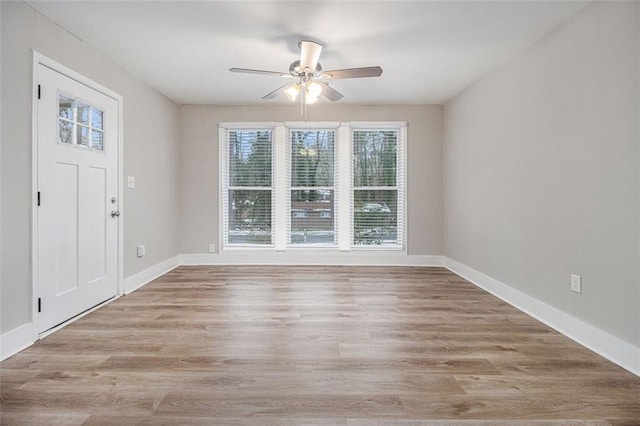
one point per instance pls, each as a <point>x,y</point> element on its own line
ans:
<point>429,50</point>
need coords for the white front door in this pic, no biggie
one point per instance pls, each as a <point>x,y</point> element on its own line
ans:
<point>77,183</point>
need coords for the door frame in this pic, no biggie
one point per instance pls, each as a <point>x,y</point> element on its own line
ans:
<point>40,59</point>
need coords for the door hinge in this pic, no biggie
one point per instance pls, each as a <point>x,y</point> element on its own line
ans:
<point>39,305</point>
<point>38,198</point>
<point>38,91</point>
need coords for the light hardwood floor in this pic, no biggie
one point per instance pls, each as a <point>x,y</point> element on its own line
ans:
<point>312,345</point>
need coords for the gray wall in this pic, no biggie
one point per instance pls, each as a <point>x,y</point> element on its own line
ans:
<point>151,153</point>
<point>542,172</point>
<point>199,165</point>
<point>1,209</point>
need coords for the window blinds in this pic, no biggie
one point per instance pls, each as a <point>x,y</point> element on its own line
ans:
<point>249,188</point>
<point>294,186</point>
<point>377,179</point>
<point>312,218</point>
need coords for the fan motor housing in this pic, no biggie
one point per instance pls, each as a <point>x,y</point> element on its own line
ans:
<point>296,71</point>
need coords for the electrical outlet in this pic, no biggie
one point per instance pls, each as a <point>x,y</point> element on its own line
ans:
<point>212,248</point>
<point>576,283</point>
<point>131,181</point>
<point>142,250</point>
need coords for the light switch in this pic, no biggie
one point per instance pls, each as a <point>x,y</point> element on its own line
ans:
<point>131,181</point>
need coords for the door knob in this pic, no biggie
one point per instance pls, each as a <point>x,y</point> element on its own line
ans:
<point>115,213</point>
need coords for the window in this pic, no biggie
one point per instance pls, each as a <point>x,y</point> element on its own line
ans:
<point>79,124</point>
<point>376,185</point>
<point>249,188</point>
<point>334,186</point>
<point>311,188</point>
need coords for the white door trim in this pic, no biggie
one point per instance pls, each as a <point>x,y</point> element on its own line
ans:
<point>40,59</point>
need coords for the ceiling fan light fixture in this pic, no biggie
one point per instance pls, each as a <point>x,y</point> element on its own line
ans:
<point>314,90</point>
<point>311,101</point>
<point>292,91</point>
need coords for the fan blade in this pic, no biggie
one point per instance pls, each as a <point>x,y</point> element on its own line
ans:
<point>309,54</point>
<point>352,73</point>
<point>329,92</point>
<point>261,72</point>
<point>276,92</point>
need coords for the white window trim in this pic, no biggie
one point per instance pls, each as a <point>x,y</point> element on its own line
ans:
<point>256,125</point>
<point>343,184</point>
<point>324,125</point>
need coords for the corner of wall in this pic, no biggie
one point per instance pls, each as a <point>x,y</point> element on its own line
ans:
<point>637,4</point>
<point>145,276</point>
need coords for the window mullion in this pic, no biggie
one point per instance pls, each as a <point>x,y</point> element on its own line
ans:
<point>343,187</point>
<point>280,187</point>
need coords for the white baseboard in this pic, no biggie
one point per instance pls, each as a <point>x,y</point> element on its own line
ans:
<point>311,257</point>
<point>613,348</point>
<point>16,340</point>
<point>144,277</point>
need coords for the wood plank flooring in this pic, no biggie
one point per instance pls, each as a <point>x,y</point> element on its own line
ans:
<point>350,346</point>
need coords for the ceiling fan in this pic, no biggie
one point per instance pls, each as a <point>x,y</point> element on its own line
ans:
<point>310,80</point>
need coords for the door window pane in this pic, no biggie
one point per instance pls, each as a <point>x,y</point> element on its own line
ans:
<point>83,113</point>
<point>97,140</point>
<point>65,107</point>
<point>96,118</point>
<point>83,135</point>
<point>65,130</point>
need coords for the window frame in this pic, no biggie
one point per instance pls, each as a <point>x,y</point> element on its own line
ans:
<point>224,187</point>
<point>311,127</point>
<point>400,186</point>
<point>281,184</point>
